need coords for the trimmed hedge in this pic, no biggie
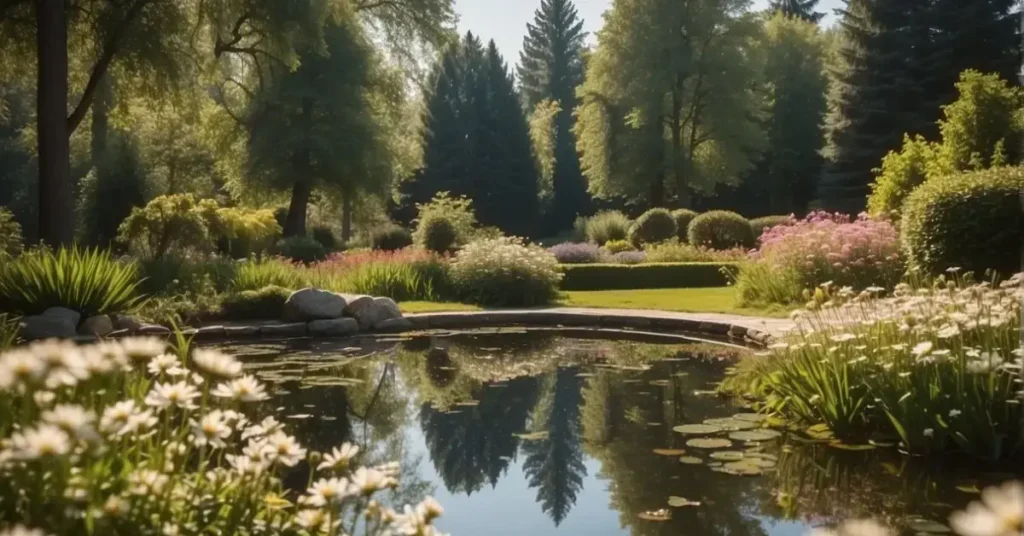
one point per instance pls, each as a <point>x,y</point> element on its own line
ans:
<point>655,225</point>
<point>642,276</point>
<point>721,229</point>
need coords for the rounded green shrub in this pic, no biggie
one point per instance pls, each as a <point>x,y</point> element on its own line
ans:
<point>606,226</point>
<point>505,272</point>
<point>683,217</point>
<point>325,236</point>
<point>390,238</point>
<point>721,229</point>
<point>266,303</point>
<point>438,234</point>
<point>301,249</point>
<point>762,224</point>
<point>655,225</point>
<point>970,221</point>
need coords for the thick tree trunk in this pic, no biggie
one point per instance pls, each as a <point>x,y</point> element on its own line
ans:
<point>56,201</point>
<point>295,223</point>
<point>346,217</point>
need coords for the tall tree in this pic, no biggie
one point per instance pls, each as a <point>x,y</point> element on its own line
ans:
<point>476,140</point>
<point>668,107</point>
<point>803,9</point>
<point>797,87</point>
<point>550,68</point>
<point>56,199</point>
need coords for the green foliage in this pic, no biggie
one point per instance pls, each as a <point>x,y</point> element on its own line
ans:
<point>439,234</point>
<point>676,251</point>
<point>458,210</point>
<point>607,226</point>
<point>655,225</point>
<point>243,232</point>
<point>720,229</point>
<point>89,281</point>
<point>801,9</point>
<point>8,331</point>
<point>11,240</point>
<point>544,137</point>
<point>683,217</point>
<point>618,246</point>
<point>423,280</point>
<point>900,173</point>
<point>390,238</point>
<point>174,274</point>
<point>644,276</point>
<point>970,221</point>
<point>257,274</point>
<point>762,224</point>
<point>505,272</point>
<point>267,303</point>
<point>761,283</point>
<point>167,223</point>
<point>325,236</point>
<point>302,249</point>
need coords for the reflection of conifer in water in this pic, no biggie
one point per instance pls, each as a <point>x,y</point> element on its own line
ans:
<point>472,445</point>
<point>554,465</point>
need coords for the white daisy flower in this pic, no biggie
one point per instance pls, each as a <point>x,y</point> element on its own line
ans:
<point>327,491</point>
<point>266,427</point>
<point>42,441</point>
<point>211,430</point>
<point>921,348</point>
<point>165,395</point>
<point>245,389</point>
<point>115,506</point>
<point>955,413</point>
<point>999,513</point>
<point>244,465</point>
<point>929,432</point>
<point>284,449</point>
<point>163,363</point>
<point>146,482</point>
<point>339,457</point>
<point>429,508</point>
<point>370,481</point>
<point>216,363</point>
<point>311,520</point>
<point>125,418</point>
<point>73,419</point>
<point>20,366</point>
<point>142,348</point>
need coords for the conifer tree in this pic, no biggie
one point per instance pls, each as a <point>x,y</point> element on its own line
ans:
<point>550,68</point>
<point>803,9</point>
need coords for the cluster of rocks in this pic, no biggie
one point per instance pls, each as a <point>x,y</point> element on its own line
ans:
<point>308,311</point>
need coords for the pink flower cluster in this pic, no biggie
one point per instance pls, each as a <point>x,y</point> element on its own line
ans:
<point>832,247</point>
<point>353,259</point>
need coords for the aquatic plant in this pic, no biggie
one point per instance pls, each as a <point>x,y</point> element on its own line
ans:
<point>133,437</point>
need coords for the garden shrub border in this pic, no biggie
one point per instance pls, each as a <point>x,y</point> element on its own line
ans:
<point>647,275</point>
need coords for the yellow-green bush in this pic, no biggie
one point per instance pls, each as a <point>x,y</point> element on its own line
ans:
<point>655,225</point>
<point>721,229</point>
<point>438,234</point>
<point>618,246</point>
<point>606,226</point>
<point>683,218</point>
<point>266,303</point>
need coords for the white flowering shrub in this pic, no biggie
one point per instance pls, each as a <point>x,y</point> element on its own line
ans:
<point>128,438</point>
<point>505,271</point>
<point>936,368</point>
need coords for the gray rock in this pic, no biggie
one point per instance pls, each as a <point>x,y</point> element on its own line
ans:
<point>334,327</point>
<point>369,313</point>
<point>120,333</point>
<point>65,313</point>
<point>297,329</point>
<point>210,332</point>
<point>394,325</point>
<point>46,327</point>
<point>131,323</point>
<point>99,325</point>
<point>241,331</point>
<point>313,304</point>
<point>354,302</point>
<point>154,329</point>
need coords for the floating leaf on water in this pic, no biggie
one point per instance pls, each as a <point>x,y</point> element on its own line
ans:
<point>882,443</point>
<point>655,515</point>
<point>328,418</point>
<point>755,435</point>
<point>299,416</point>
<point>654,424</point>
<point>846,446</point>
<point>762,455</point>
<point>532,436</point>
<point>742,468</point>
<point>660,383</point>
<point>762,463</point>
<point>700,392</point>
<point>468,403</point>
<point>585,375</point>
<point>309,405</point>
<point>691,460</point>
<point>709,443</point>
<point>679,502</point>
<point>630,381</point>
<point>752,417</point>
<point>732,424</point>
<point>968,488</point>
<point>697,429</point>
<point>727,455</point>
<point>669,452</point>
<point>715,465</point>
<point>819,431</point>
<point>681,374</point>
<point>928,526</point>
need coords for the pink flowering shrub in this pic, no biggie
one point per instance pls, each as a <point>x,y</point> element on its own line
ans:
<point>822,247</point>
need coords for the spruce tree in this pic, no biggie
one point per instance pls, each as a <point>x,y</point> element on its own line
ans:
<point>550,68</point>
<point>803,9</point>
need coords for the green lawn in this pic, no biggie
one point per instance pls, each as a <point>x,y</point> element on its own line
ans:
<point>689,300</point>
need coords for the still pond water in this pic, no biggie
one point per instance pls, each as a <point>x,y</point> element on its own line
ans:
<point>535,433</point>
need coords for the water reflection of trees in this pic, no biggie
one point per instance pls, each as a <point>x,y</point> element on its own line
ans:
<point>554,464</point>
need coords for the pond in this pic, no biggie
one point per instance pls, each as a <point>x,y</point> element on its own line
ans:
<point>539,433</point>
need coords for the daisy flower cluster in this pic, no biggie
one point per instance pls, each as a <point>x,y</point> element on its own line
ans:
<point>936,367</point>
<point>136,437</point>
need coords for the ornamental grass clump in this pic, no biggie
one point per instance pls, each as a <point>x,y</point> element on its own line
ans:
<point>133,437</point>
<point>505,271</point>
<point>582,253</point>
<point>935,368</point>
<point>823,247</point>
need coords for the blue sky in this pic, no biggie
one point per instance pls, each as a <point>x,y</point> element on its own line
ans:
<point>505,20</point>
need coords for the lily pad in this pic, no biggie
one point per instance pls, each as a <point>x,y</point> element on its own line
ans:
<point>669,452</point>
<point>299,416</point>
<point>679,502</point>
<point>697,429</point>
<point>752,417</point>
<point>755,435</point>
<point>819,431</point>
<point>709,443</point>
<point>655,515</point>
<point>762,463</point>
<point>846,446</point>
<point>659,383</point>
<point>731,424</point>
<point>691,460</point>
<point>534,436</point>
<point>743,468</point>
<point>727,455</point>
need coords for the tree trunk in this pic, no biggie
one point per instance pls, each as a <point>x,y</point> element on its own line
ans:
<point>678,169</point>
<point>346,217</point>
<point>656,193</point>
<point>56,202</point>
<point>295,223</point>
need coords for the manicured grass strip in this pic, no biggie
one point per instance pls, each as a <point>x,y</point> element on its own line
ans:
<point>687,300</point>
<point>646,276</point>
<point>435,307</point>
